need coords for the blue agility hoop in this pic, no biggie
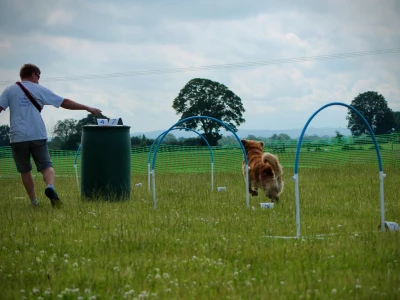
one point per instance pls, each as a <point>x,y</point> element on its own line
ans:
<point>296,165</point>
<point>180,122</point>
<point>187,129</point>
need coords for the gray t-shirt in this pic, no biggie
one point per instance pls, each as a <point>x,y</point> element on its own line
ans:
<point>26,123</point>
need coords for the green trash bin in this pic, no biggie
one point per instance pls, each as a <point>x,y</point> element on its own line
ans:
<point>106,162</point>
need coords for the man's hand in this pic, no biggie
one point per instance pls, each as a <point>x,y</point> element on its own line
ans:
<point>94,111</point>
<point>69,104</point>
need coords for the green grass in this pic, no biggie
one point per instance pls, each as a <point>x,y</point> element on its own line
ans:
<point>201,244</point>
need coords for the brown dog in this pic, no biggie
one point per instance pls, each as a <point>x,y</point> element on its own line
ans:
<point>265,170</point>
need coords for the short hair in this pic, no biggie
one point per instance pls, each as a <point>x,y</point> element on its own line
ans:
<point>27,70</point>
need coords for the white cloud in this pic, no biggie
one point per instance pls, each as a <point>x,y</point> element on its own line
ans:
<point>69,39</point>
<point>60,17</point>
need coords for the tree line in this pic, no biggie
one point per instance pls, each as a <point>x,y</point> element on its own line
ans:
<point>204,97</point>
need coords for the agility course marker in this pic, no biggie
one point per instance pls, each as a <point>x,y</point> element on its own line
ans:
<point>296,167</point>
<point>163,135</point>
<point>76,167</point>
<point>392,226</point>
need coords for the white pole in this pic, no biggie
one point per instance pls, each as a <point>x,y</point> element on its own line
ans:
<point>247,185</point>
<point>154,189</point>
<point>381,177</point>
<point>76,175</point>
<point>148,176</point>
<point>297,201</point>
<point>212,176</point>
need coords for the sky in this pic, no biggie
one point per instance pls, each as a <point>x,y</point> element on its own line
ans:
<point>118,43</point>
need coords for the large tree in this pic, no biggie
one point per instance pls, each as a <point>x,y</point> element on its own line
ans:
<point>69,131</point>
<point>204,97</point>
<point>375,110</point>
<point>89,120</point>
<point>4,135</point>
<point>397,119</point>
<point>65,128</point>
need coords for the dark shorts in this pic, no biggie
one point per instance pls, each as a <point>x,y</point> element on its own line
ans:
<point>22,155</point>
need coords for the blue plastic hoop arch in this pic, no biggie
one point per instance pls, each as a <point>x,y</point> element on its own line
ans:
<point>296,166</point>
<point>187,129</point>
<point>180,122</point>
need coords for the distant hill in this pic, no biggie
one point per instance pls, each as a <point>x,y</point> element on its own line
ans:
<point>242,133</point>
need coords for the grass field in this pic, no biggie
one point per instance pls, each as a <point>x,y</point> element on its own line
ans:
<point>201,244</point>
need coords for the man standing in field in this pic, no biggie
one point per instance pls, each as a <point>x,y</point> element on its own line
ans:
<point>28,135</point>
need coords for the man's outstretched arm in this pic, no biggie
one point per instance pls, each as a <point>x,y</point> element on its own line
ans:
<point>72,105</point>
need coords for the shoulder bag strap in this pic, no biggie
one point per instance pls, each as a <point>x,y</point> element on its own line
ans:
<point>34,102</point>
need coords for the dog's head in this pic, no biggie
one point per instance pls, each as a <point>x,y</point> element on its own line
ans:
<point>252,145</point>
<point>270,176</point>
<point>272,185</point>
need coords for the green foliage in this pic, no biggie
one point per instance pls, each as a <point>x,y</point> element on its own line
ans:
<point>89,120</point>
<point>190,141</point>
<point>135,141</point>
<point>397,120</point>
<point>375,110</point>
<point>4,135</point>
<point>145,141</point>
<point>170,139</point>
<point>55,143</point>
<point>228,140</point>
<point>339,137</point>
<point>65,128</point>
<point>68,132</point>
<point>280,137</point>
<point>203,97</point>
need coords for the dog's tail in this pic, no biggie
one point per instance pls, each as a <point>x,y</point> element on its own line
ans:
<point>274,162</point>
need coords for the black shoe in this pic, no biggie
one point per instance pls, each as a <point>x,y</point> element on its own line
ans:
<point>52,195</point>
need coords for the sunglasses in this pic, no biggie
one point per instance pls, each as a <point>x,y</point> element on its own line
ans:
<point>38,75</point>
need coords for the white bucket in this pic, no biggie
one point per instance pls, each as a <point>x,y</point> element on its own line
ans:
<point>221,188</point>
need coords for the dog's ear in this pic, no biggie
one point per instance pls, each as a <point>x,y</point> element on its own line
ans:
<point>262,144</point>
<point>244,142</point>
